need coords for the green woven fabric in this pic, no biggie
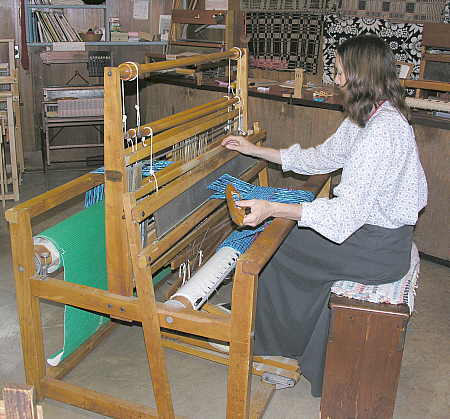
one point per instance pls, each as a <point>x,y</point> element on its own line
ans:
<point>80,240</point>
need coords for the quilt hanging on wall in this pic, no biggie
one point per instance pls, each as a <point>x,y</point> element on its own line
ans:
<point>281,41</point>
<point>405,39</point>
<point>399,10</point>
<point>311,6</point>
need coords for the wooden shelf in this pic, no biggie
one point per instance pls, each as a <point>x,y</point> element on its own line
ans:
<point>101,43</point>
<point>66,6</point>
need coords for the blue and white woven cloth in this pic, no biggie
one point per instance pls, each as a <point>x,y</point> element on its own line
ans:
<point>249,191</point>
<point>241,239</point>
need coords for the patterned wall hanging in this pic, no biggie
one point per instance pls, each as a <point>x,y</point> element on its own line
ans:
<point>403,10</point>
<point>281,41</point>
<point>312,6</point>
<point>405,39</point>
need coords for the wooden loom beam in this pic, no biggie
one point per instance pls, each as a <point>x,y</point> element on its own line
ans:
<point>427,85</point>
<point>97,402</point>
<point>178,168</point>
<point>101,301</point>
<point>204,350</point>
<point>242,87</point>
<point>129,71</point>
<point>172,121</point>
<point>175,135</point>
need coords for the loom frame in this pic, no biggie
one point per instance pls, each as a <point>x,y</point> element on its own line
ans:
<point>125,257</point>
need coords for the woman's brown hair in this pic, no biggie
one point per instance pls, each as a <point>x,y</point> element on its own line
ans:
<point>371,77</point>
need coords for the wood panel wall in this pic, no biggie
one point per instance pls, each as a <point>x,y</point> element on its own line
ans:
<point>432,231</point>
<point>287,124</point>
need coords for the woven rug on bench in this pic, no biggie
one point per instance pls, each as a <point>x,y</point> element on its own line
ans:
<point>399,292</point>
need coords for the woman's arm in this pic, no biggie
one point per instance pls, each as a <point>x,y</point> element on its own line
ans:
<point>242,145</point>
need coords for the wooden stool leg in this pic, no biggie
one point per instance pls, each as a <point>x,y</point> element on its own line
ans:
<point>241,344</point>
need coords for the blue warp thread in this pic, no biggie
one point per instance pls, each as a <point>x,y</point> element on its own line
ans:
<point>97,193</point>
<point>240,239</point>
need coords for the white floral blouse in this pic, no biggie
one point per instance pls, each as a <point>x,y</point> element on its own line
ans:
<point>382,183</point>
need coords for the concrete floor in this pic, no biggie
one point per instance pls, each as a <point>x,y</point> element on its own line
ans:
<point>118,365</point>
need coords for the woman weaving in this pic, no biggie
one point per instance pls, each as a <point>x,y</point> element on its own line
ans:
<point>362,234</point>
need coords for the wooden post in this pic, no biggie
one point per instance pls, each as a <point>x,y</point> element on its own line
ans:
<point>16,106</point>
<point>19,403</point>
<point>242,87</point>
<point>263,175</point>
<point>150,322</point>
<point>298,82</point>
<point>13,81</point>
<point>229,29</point>
<point>117,254</point>
<point>13,147</point>
<point>241,344</point>
<point>27,304</point>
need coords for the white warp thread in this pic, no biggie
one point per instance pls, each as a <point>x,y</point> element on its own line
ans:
<point>198,289</point>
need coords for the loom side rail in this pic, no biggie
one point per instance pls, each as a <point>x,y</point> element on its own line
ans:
<point>55,197</point>
<point>427,85</point>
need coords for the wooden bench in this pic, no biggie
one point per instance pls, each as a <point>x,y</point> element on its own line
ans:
<point>364,355</point>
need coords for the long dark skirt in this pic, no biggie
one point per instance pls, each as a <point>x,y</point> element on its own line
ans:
<point>292,314</point>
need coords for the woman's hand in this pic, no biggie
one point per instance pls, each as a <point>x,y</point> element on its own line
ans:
<point>259,211</point>
<point>240,144</point>
<point>244,146</point>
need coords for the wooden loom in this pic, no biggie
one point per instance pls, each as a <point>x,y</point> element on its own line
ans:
<point>130,265</point>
